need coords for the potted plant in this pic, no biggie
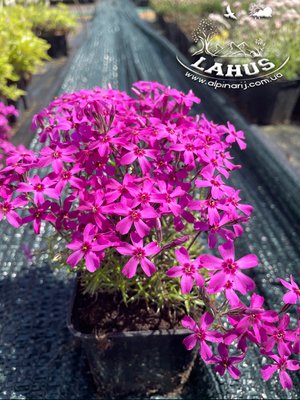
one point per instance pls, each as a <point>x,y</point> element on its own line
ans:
<point>23,52</point>
<point>52,24</point>
<point>130,185</point>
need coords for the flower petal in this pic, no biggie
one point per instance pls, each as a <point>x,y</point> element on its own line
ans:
<point>190,341</point>
<point>268,370</point>
<point>188,322</point>
<point>74,258</point>
<point>227,250</point>
<point>148,266</point>
<point>285,380</point>
<point>92,262</point>
<point>174,272</point>
<point>211,262</point>
<point>130,267</point>
<point>248,261</point>
<point>186,284</point>
<point>182,255</point>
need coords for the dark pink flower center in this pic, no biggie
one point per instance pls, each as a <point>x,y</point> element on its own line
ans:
<point>189,269</point>
<point>228,285</point>
<point>6,208</point>
<point>200,333</point>
<point>211,203</point>
<point>189,147</point>
<point>225,363</point>
<point>139,253</point>
<point>105,139</point>
<point>39,187</point>
<point>254,318</point>
<point>229,266</point>
<point>297,291</point>
<point>139,152</point>
<point>37,214</point>
<point>161,163</point>
<point>66,175</point>
<point>280,335</point>
<point>282,364</point>
<point>56,155</point>
<point>214,228</point>
<point>86,247</point>
<point>144,197</point>
<point>168,198</point>
<point>135,215</point>
<point>123,189</point>
<point>214,182</point>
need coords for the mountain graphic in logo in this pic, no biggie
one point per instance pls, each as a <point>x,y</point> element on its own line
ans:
<point>232,50</point>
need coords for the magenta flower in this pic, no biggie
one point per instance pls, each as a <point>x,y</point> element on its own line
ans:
<point>56,157</point>
<point>167,196</point>
<point>235,136</point>
<point>139,254</point>
<point>228,268</point>
<point>215,183</point>
<point>224,362</point>
<point>39,187</point>
<point>187,270</point>
<point>69,176</point>
<point>94,208</point>
<point>294,294</point>
<point>279,335</point>
<point>116,189</point>
<point>38,214</point>
<point>86,248</point>
<point>133,216</point>
<point>201,334</point>
<point>136,152</point>
<point>216,229</point>
<point>256,317</point>
<point>189,148</point>
<point>7,210</point>
<point>282,363</point>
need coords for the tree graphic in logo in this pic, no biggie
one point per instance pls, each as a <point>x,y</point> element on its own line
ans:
<point>204,35</point>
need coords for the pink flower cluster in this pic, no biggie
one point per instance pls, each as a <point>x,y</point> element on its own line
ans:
<point>116,172</point>
<point>5,112</point>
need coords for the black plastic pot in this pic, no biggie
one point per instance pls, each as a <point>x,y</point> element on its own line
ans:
<point>272,103</point>
<point>58,44</point>
<point>136,363</point>
<point>174,34</point>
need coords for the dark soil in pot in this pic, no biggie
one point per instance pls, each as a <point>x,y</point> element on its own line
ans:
<point>132,351</point>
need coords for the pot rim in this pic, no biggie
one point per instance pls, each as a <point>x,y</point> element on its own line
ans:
<point>116,335</point>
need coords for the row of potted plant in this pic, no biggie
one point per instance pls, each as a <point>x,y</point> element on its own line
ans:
<point>129,186</point>
<point>274,38</point>
<point>22,34</point>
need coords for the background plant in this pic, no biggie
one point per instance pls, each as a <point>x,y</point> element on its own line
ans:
<point>280,33</point>
<point>24,51</point>
<point>51,20</point>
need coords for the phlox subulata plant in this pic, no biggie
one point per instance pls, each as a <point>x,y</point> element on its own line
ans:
<point>134,186</point>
